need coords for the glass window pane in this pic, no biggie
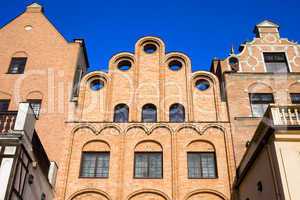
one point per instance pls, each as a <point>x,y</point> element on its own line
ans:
<point>4,104</point>
<point>148,165</point>
<point>208,165</point>
<point>17,65</point>
<point>201,165</point>
<point>35,105</point>
<point>121,113</point>
<point>95,165</point>
<point>194,165</point>
<point>102,165</point>
<point>276,62</point>
<point>259,103</point>
<point>141,165</point>
<point>149,113</point>
<point>88,165</point>
<point>276,67</point>
<point>295,98</point>
<point>261,97</point>
<point>155,166</point>
<point>258,110</point>
<point>177,113</point>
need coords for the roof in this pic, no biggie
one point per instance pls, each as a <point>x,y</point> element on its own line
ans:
<point>267,23</point>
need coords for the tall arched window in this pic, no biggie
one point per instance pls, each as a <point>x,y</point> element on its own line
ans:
<point>176,113</point>
<point>121,113</point>
<point>95,160</point>
<point>148,160</point>
<point>149,113</point>
<point>202,162</point>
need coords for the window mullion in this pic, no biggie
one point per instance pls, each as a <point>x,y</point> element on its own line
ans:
<point>148,165</point>
<point>200,165</point>
<point>96,165</point>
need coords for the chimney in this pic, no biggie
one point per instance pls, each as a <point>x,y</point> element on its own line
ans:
<point>267,29</point>
<point>35,8</point>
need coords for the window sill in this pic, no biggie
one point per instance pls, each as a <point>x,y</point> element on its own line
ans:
<point>216,178</point>
<point>247,118</point>
<point>147,178</point>
<point>14,73</point>
<point>82,177</point>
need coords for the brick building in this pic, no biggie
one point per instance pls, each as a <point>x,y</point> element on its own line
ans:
<point>149,128</point>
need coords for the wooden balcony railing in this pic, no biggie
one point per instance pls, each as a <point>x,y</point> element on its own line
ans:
<point>7,121</point>
<point>286,115</point>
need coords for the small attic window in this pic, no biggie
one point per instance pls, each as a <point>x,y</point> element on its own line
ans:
<point>28,28</point>
<point>150,48</point>
<point>202,84</point>
<point>17,65</point>
<point>234,64</point>
<point>175,65</point>
<point>124,65</point>
<point>276,62</point>
<point>96,85</point>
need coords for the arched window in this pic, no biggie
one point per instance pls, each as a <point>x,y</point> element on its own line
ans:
<point>148,160</point>
<point>234,64</point>
<point>176,113</point>
<point>202,162</point>
<point>17,65</point>
<point>121,113</point>
<point>149,113</point>
<point>95,160</point>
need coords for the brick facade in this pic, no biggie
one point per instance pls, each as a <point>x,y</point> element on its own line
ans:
<point>217,119</point>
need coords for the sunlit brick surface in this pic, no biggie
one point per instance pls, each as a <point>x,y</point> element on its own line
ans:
<point>219,116</point>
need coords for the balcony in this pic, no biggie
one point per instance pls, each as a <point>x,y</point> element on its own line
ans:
<point>7,121</point>
<point>277,119</point>
<point>285,115</point>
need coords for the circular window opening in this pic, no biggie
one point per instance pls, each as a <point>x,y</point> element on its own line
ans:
<point>234,64</point>
<point>150,48</point>
<point>124,65</point>
<point>96,85</point>
<point>28,27</point>
<point>175,65</point>
<point>202,84</point>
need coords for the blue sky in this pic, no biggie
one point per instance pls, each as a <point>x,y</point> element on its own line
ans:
<point>201,29</point>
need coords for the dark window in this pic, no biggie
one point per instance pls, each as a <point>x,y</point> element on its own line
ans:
<point>96,85</point>
<point>259,186</point>
<point>149,113</point>
<point>295,98</point>
<point>95,164</point>
<point>202,84</point>
<point>234,64</point>
<point>148,165</point>
<point>43,196</point>
<point>124,65</point>
<point>201,165</point>
<point>177,113</point>
<point>35,105</point>
<point>17,65</point>
<point>121,113</point>
<point>150,48</point>
<point>4,104</point>
<point>175,65</point>
<point>260,102</point>
<point>276,62</point>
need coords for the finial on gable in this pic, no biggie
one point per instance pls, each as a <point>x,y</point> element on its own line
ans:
<point>35,7</point>
<point>232,50</point>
